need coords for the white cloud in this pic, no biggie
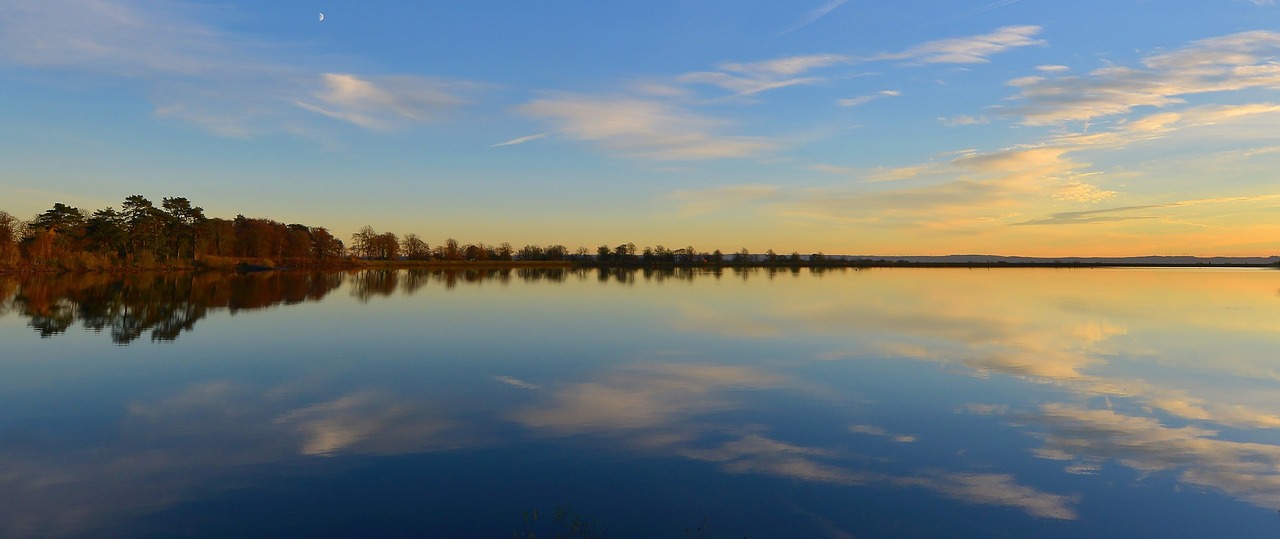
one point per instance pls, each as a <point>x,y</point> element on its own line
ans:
<point>380,104</point>
<point>642,128</point>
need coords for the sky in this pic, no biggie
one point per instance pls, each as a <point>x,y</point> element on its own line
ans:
<point>915,127</point>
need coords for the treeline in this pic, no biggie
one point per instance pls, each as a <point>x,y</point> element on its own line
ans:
<point>177,234</point>
<point>143,235</point>
<point>368,244</point>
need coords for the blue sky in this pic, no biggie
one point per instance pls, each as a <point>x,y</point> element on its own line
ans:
<point>1022,127</point>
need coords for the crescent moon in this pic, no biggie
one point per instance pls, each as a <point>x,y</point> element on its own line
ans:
<point>322,17</point>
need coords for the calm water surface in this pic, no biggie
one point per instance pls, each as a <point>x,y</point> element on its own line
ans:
<point>875,403</point>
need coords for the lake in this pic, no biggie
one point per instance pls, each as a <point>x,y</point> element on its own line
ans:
<point>1010,402</point>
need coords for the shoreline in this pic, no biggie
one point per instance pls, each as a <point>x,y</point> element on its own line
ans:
<point>256,266</point>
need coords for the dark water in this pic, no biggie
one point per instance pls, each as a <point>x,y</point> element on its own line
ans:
<point>876,403</point>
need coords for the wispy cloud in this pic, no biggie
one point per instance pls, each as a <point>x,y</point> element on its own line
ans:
<point>1130,213</point>
<point>642,128</point>
<point>521,140</point>
<point>964,120</point>
<point>813,16</point>
<point>878,174</point>
<point>227,84</point>
<point>745,79</point>
<point>975,11</point>
<point>864,99</point>
<point>1227,63</point>
<point>1077,191</point>
<point>967,50</point>
<point>380,104</point>
<point>655,120</point>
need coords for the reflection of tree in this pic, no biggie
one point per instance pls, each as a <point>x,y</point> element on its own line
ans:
<point>369,283</point>
<point>166,305</point>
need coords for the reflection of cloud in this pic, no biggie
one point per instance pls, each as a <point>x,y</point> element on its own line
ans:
<point>1014,326</point>
<point>199,440</point>
<point>516,382</point>
<point>873,430</point>
<point>986,409</point>
<point>364,423</point>
<point>667,409</point>
<point>1249,471</point>
<point>769,457</point>
<point>998,490</point>
<point>640,398</point>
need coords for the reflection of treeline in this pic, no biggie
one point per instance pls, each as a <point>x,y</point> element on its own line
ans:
<point>370,283</point>
<point>165,304</point>
<point>162,304</point>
